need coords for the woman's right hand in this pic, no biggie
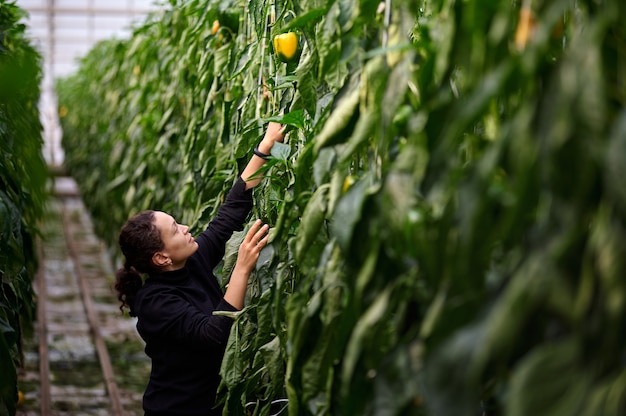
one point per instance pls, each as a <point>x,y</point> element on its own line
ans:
<point>275,132</point>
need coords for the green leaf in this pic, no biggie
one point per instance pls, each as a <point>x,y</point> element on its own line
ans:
<point>339,124</point>
<point>307,83</point>
<point>233,362</point>
<point>364,332</point>
<point>311,223</point>
<point>303,20</point>
<point>281,151</point>
<point>616,160</point>
<point>348,212</point>
<point>244,60</point>
<point>273,357</point>
<point>549,381</point>
<point>294,118</point>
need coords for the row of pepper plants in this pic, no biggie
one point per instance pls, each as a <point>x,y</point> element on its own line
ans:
<point>22,193</point>
<point>448,215</point>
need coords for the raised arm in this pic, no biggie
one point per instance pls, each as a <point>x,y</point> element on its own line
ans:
<point>257,236</point>
<point>274,133</point>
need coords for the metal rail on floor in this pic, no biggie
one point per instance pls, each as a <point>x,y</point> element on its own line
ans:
<point>101,349</point>
<point>42,328</point>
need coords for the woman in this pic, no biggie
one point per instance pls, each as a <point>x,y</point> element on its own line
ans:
<point>175,305</point>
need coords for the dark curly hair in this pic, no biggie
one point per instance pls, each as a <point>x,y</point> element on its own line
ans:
<point>139,239</point>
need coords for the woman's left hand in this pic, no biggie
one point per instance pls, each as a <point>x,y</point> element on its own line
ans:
<point>249,250</point>
<point>251,246</point>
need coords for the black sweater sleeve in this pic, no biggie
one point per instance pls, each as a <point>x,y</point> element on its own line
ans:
<point>167,315</point>
<point>230,218</point>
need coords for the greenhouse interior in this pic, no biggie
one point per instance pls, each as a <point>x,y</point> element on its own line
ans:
<point>304,207</point>
<point>63,31</point>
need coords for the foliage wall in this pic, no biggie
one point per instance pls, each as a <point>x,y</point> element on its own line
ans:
<point>22,191</point>
<point>448,211</point>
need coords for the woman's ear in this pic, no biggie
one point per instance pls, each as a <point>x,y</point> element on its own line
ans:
<point>161,260</point>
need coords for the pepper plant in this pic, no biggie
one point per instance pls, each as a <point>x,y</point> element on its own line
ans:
<point>448,226</point>
<point>22,193</point>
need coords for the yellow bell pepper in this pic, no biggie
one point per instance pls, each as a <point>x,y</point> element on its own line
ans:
<point>286,47</point>
<point>215,27</point>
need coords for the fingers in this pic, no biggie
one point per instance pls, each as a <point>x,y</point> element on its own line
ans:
<point>263,242</point>
<point>258,234</point>
<point>275,131</point>
<point>255,239</point>
<point>274,126</point>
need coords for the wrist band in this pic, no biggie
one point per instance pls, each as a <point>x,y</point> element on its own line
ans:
<point>260,154</point>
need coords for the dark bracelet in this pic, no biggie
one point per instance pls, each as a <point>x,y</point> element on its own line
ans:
<point>260,154</point>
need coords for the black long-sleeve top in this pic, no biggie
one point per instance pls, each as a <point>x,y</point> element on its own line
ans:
<point>184,340</point>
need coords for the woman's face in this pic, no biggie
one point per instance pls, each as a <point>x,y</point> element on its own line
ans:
<point>179,243</point>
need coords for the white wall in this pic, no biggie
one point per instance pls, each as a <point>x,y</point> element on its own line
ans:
<point>65,30</point>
